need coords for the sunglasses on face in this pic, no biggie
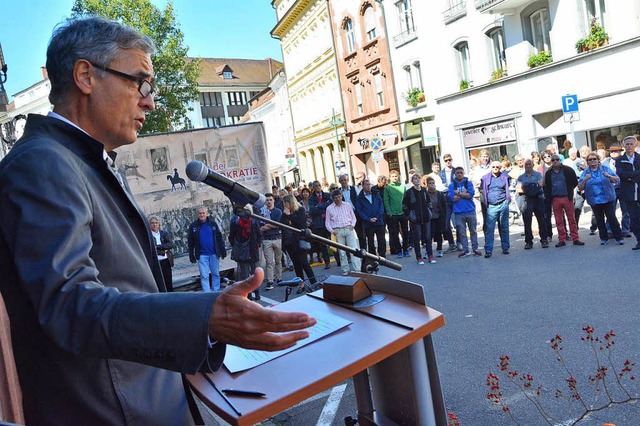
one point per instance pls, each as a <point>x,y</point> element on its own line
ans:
<point>555,160</point>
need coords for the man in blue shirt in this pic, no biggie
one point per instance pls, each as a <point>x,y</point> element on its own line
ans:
<point>496,197</point>
<point>461,193</point>
<point>206,246</point>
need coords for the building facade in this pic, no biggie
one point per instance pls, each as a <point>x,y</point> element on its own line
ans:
<point>503,67</point>
<point>368,92</point>
<point>271,107</point>
<point>304,30</point>
<point>225,86</point>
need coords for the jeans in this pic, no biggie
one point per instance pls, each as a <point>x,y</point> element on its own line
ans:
<point>625,224</point>
<point>608,209</point>
<point>462,221</point>
<point>272,250</point>
<point>396,224</point>
<point>633,208</point>
<point>347,236</point>
<point>534,206</point>
<point>497,213</point>
<point>447,232</point>
<point>206,264</point>
<point>561,204</point>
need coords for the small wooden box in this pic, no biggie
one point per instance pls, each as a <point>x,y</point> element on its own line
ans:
<point>344,289</point>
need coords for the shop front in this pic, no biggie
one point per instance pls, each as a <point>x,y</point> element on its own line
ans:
<point>500,138</point>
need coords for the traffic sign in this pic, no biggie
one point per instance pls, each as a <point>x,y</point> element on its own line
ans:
<point>570,103</point>
<point>570,117</point>
<point>376,144</point>
<point>377,156</point>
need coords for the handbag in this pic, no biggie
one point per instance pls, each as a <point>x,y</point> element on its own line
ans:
<point>304,245</point>
<point>240,251</point>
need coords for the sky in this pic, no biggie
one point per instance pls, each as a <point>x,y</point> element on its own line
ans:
<point>212,28</point>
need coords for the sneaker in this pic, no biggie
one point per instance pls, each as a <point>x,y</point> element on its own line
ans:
<point>439,253</point>
<point>592,232</point>
<point>604,242</point>
<point>432,259</point>
<point>420,261</point>
<point>620,242</point>
<point>269,286</point>
<point>529,246</point>
<point>561,244</point>
<point>545,243</point>
<point>400,256</point>
<point>407,253</point>
<point>477,253</point>
<point>327,266</point>
<point>467,254</point>
<point>636,247</point>
<point>451,249</point>
<point>487,255</point>
<point>505,251</point>
<point>578,243</point>
<point>345,273</point>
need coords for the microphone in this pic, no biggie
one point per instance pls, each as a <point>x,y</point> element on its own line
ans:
<point>238,194</point>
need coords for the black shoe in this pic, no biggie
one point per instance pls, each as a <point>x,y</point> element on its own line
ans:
<point>578,243</point>
<point>505,251</point>
<point>528,246</point>
<point>268,287</point>
<point>487,255</point>
<point>636,247</point>
<point>592,232</point>
<point>257,295</point>
<point>561,244</point>
<point>327,266</point>
<point>300,290</point>
<point>545,244</point>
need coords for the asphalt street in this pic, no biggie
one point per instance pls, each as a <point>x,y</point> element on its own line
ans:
<point>513,305</point>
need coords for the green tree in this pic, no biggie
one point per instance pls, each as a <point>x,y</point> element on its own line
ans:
<point>175,74</point>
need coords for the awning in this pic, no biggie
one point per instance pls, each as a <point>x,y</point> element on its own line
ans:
<point>402,145</point>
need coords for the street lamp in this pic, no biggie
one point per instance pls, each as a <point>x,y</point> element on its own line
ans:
<point>4,100</point>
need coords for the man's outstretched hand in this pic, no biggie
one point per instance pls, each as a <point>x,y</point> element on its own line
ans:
<point>238,321</point>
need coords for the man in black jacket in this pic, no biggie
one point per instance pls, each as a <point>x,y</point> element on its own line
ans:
<point>559,183</point>
<point>628,169</point>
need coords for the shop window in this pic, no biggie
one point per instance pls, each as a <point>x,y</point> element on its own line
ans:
<point>370,23</point>
<point>498,55</point>
<point>350,36</point>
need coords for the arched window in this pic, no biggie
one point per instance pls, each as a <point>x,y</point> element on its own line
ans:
<point>349,36</point>
<point>464,65</point>
<point>370,23</point>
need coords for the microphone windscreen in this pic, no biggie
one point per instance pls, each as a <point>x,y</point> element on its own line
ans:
<point>197,171</point>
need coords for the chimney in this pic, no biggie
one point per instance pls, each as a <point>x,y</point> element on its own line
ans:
<point>45,76</point>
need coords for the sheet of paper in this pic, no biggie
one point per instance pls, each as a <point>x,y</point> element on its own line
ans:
<point>239,359</point>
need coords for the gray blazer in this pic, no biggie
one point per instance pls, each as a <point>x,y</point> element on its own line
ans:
<point>94,340</point>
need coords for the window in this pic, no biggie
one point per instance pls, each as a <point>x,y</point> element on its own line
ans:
<point>497,47</point>
<point>540,27</point>
<point>405,13</point>
<point>595,9</point>
<point>370,23</point>
<point>379,92</point>
<point>413,75</point>
<point>464,66</point>
<point>358,94</point>
<point>237,98</point>
<point>350,36</point>
<point>210,99</point>
<point>407,73</point>
<point>213,121</point>
<point>227,75</point>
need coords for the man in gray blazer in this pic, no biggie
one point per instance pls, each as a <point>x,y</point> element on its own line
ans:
<point>80,274</point>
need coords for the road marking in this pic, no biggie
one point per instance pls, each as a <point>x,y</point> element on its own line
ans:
<point>331,406</point>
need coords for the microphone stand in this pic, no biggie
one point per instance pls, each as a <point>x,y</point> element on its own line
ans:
<point>370,262</point>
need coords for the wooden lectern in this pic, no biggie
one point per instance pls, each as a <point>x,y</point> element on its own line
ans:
<point>393,368</point>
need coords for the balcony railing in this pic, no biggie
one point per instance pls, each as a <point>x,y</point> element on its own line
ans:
<point>405,37</point>
<point>456,11</point>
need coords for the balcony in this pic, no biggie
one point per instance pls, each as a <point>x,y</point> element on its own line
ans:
<point>405,37</point>
<point>455,12</point>
<point>504,7</point>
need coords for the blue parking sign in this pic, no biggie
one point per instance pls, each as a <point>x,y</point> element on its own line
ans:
<point>570,103</point>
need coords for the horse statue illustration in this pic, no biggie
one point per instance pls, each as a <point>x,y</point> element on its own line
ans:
<point>176,180</point>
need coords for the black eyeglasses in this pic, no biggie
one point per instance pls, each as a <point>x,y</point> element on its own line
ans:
<point>145,87</point>
<point>592,159</point>
<point>555,159</point>
<point>447,159</point>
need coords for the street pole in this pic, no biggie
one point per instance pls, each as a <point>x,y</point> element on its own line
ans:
<point>335,122</point>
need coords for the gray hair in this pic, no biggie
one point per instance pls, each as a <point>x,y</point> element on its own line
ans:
<point>96,39</point>
<point>154,217</point>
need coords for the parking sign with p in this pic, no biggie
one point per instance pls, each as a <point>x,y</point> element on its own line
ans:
<point>570,103</point>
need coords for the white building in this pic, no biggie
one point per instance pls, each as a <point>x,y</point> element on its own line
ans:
<point>271,107</point>
<point>508,106</point>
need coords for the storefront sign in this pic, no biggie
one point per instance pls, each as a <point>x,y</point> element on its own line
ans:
<point>503,131</point>
<point>429,133</point>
